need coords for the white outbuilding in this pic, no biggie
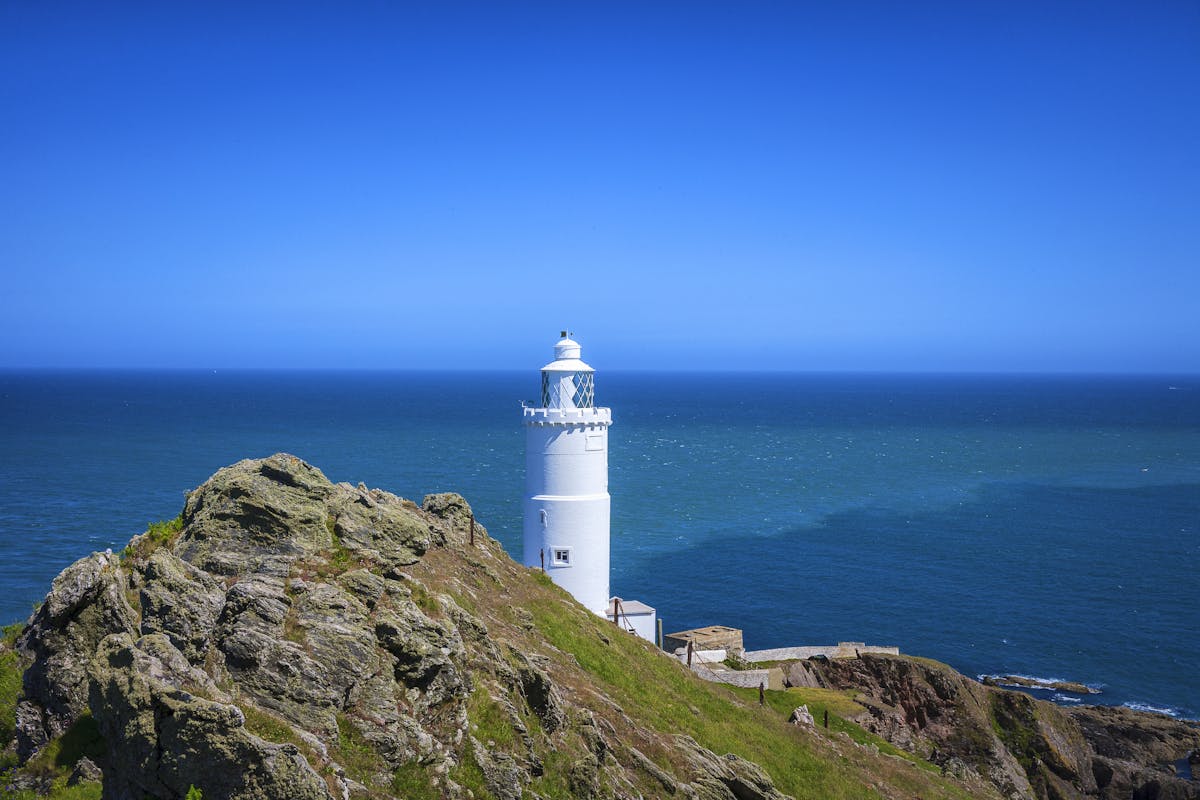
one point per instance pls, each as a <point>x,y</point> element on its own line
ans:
<point>566,488</point>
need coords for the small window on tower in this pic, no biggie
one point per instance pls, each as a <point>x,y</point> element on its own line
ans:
<point>562,556</point>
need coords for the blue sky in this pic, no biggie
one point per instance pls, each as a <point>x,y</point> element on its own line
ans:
<point>840,186</point>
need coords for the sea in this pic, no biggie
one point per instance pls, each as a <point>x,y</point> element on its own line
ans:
<point>1042,526</point>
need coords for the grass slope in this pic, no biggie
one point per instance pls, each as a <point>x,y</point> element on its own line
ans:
<point>635,687</point>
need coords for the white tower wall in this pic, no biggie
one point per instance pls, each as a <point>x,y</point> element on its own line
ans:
<point>566,507</point>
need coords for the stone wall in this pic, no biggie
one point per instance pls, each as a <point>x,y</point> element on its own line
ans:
<point>840,650</point>
<point>750,678</point>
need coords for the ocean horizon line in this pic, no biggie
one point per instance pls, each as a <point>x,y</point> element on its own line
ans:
<point>609,370</point>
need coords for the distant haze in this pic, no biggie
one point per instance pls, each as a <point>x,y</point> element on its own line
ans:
<point>851,186</point>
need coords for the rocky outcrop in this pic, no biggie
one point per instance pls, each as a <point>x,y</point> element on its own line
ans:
<point>289,637</point>
<point>1026,747</point>
<point>87,602</point>
<point>171,739</point>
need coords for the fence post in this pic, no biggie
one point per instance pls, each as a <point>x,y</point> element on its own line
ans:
<point>660,636</point>
<point>762,698</point>
<point>542,556</point>
<point>689,653</point>
<point>472,530</point>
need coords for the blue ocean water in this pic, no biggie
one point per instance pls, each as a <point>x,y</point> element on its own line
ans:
<point>1044,526</point>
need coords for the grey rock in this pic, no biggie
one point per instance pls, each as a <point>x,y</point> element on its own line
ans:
<point>87,602</point>
<point>500,772</point>
<point>256,516</point>
<point>540,692</point>
<point>425,651</point>
<point>802,716</point>
<point>364,585</point>
<point>181,601</point>
<point>85,771</point>
<point>726,778</point>
<point>379,525</point>
<point>163,739</point>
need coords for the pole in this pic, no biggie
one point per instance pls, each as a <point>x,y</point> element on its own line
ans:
<point>472,530</point>
<point>542,556</point>
<point>827,719</point>
<point>689,653</point>
<point>762,697</point>
<point>660,635</point>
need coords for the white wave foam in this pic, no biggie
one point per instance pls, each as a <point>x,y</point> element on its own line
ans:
<point>1170,712</point>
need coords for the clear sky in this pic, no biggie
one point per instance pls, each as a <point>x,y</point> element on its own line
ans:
<point>836,186</point>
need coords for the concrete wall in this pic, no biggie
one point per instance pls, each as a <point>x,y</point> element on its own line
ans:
<point>840,650</point>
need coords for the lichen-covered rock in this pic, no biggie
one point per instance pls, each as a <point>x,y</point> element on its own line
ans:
<point>728,777</point>
<point>448,506</point>
<point>500,772</point>
<point>86,603</point>
<point>277,672</point>
<point>163,739</point>
<point>425,651</point>
<point>256,516</point>
<point>539,692</point>
<point>378,525</point>
<point>180,601</point>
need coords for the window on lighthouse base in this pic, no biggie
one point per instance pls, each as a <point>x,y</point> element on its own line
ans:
<point>561,556</point>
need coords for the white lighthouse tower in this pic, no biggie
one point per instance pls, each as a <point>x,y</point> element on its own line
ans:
<point>566,480</point>
<point>566,489</point>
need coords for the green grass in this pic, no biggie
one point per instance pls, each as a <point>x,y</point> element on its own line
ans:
<point>355,753</point>
<point>671,699</point>
<point>158,534</point>
<point>10,692</point>
<point>666,697</point>
<point>60,755</point>
<point>840,705</point>
<point>58,758</point>
<point>469,775</point>
<point>268,726</point>
<point>411,781</point>
<point>422,598</point>
<point>83,791</point>
<point>554,782</point>
<point>491,723</point>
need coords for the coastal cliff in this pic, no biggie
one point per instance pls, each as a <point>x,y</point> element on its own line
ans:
<point>1024,746</point>
<point>288,637</point>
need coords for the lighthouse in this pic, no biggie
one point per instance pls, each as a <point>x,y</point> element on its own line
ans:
<point>566,506</point>
<point>566,479</point>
